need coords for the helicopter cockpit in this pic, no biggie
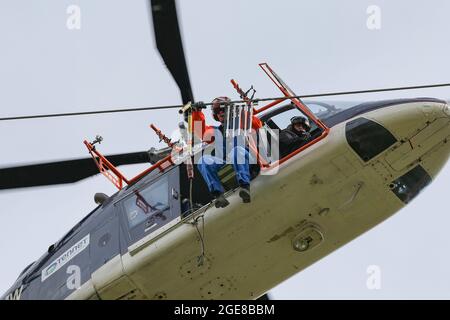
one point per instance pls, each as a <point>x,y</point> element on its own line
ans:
<point>278,118</point>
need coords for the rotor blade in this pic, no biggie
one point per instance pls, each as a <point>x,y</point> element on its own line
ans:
<point>60,172</point>
<point>169,44</point>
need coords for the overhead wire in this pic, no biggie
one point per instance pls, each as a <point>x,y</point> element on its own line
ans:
<point>256,100</point>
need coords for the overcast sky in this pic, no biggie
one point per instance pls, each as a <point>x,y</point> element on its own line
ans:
<point>111,62</point>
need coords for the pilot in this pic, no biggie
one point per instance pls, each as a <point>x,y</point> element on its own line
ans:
<point>295,135</point>
<point>209,165</point>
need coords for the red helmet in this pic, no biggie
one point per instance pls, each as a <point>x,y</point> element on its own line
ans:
<point>218,104</point>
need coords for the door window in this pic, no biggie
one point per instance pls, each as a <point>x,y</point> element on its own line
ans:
<point>153,208</point>
<point>150,204</point>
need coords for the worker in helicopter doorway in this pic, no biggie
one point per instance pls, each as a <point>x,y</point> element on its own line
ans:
<point>228,148</point>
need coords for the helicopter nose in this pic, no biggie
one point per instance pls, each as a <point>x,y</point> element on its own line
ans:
<point>423,130</point>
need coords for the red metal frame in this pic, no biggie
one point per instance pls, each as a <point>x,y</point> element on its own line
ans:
<point>105,167</point>
<point>273,103</point>
<point>114,175</point>
<point>162,165</point>
<point>240,92</point>
<point>288,93</point>
<point>162,136</point>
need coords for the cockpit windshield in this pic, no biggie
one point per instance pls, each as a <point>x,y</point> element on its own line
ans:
<point>334,112</point>
<point>326,109</point>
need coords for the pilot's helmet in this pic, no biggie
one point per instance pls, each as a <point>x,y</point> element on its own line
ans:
<point>302,120</point>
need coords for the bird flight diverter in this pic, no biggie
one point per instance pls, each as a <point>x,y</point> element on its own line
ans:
<point>238,120</point>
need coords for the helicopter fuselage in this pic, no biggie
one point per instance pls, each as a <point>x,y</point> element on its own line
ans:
<point>376,158</point>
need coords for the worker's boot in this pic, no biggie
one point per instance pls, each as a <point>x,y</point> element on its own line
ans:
<point>221,201</point>
<point>244,193</point>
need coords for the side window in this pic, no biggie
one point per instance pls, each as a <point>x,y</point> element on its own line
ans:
<point>149,204</point>
<point>152,209</point>
<point>368,138</point>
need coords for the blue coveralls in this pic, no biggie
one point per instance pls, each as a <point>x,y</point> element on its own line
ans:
<point>209,165</point>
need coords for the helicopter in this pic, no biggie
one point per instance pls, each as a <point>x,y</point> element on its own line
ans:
<point>387,150</point>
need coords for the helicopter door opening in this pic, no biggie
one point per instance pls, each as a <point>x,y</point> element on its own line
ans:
<point>200,193</point>
<point>276,119</point>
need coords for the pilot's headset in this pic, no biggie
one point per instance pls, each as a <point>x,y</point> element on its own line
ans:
<point>218,104</point>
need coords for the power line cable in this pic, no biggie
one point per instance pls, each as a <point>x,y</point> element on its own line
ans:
<point>340,93</point>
